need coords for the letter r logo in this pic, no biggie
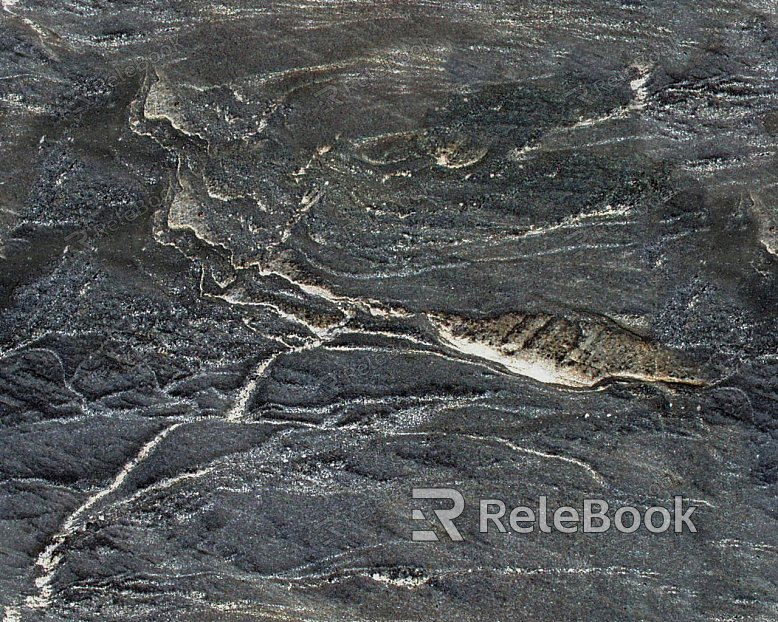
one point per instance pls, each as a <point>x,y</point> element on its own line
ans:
<point>446,517</point>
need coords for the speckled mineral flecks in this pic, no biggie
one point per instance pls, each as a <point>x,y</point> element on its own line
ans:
<point>267,267</point>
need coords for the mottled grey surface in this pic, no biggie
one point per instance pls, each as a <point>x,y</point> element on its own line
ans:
<point>266,267</point>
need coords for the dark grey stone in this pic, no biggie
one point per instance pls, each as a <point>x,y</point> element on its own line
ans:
<point>265,268</point>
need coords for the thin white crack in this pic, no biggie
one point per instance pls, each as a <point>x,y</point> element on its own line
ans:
<point>542,454</point>
<point>240,407</point>
<point>50,558</point>
<point>503,441</point>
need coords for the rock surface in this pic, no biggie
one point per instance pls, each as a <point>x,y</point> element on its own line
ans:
<point>267,267</point>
